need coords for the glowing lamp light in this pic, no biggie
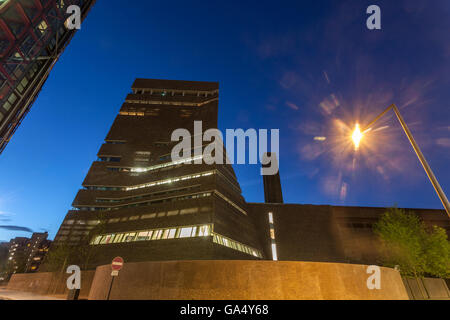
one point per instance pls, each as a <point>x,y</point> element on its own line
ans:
<point>357,136</point>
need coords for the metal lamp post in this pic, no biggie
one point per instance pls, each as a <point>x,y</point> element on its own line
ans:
<point>419,153</point>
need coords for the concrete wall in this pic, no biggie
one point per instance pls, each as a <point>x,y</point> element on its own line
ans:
<point>242,280</point>
<point>49,283</point>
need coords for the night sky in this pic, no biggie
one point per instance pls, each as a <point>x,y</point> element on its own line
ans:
<point>309,68</point>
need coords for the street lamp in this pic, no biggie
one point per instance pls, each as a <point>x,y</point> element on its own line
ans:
<point>358,135</point>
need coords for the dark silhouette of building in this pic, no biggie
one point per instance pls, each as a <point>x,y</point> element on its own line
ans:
<point>17,259</point>
<point>4,253</point>
<point>33,35</point>
<point>324,233</point>
<point>272,185</point>
<point>139,204</point>
<point>37,250</point>
<point>26,254</point>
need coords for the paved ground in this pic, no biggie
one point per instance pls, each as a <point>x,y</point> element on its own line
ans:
<point>17,295</point>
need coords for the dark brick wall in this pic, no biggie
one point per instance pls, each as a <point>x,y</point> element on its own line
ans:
<point>327,233</point>
<point>144,126</point>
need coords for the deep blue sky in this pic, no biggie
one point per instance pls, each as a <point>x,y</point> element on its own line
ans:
<point>309,68</point>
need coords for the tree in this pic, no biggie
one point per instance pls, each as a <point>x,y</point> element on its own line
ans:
<point>86,250</point>
<point>6,271</point>
<point>62,254</point>
<point>6,268</point>
<point>408,243</point>
<point>58,257</point>
<point>4,253</point>
<point>437,253</point>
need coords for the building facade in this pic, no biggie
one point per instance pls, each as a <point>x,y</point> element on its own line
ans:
<point>37,250</point>
<point>4,254</point>
<point>17,257</point>
<point>33,35</point>
<point>324,233</point>
<point>26,254</point>
<point>138,203</point>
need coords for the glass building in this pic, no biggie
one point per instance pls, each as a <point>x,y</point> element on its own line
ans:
<point>33,35</point>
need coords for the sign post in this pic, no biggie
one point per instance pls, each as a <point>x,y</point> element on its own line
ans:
<point>116,266</point>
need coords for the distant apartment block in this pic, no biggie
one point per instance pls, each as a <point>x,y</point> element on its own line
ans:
<point>26,254</point>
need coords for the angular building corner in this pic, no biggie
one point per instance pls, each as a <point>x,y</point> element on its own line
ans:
<point>33,36</point>
<point>139,204</point>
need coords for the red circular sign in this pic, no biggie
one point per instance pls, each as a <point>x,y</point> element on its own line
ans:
<point>117,264</point>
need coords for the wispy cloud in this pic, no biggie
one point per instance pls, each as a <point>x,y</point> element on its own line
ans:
<point>292,105</point>
<point>16,228</point>
<point>443,142</point>
<point>5,216</point>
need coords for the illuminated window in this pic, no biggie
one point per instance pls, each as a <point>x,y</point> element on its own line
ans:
<point>108,239</point>
<point>102,240</point>
<point>185,232</point>
<point>204,231</point>
<point>149,235</point>
<point>165,234</point>
<point>42,27</point>
<point>130,237</point>
<point>157,235</point>
<point>188,211</point>
<point>142,236</point>
<point>118,238</point>
<point>272,237</point>
<point>235,245</point>
<point>274,252</point>
<point>172,233</point>
<point>148,216</point>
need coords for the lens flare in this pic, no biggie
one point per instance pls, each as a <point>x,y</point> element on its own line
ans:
<point>357,136</point>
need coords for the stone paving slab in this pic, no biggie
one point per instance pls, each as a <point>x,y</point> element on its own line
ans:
<point>18,295</point>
